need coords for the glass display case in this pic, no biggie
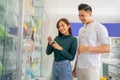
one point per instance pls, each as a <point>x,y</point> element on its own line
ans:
<point>115,47</point>
<point>9,13</point>
<point>34,58</point>
<point>23,30</point>
<point>111,66</point>
<point>111,70</point>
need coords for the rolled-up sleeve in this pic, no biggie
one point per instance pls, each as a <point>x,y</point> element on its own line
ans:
<point>103,37</point>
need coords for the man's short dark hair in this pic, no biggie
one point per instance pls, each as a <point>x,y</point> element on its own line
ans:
<point>84,7</point>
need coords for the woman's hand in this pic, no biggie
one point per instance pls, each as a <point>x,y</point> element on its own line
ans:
<point>56,46</point>
<point>49,40</point>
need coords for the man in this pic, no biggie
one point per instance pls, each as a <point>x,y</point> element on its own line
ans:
<point>93,41</point>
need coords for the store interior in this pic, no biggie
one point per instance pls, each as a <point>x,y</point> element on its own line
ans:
<point>26,24</point>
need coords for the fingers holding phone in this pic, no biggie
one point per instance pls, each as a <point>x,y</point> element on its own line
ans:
<point>56,45</point>
<point>49,40</point>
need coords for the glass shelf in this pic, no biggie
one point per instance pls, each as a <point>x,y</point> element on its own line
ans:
<point>32,57</point>
<point>8,38</point>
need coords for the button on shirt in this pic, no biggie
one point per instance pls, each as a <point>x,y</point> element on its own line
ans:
<point>93,34</point>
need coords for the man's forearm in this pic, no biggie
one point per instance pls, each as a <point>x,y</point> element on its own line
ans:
<point>99,49</point>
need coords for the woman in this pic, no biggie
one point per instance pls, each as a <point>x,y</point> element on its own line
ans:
<point>64,48</point>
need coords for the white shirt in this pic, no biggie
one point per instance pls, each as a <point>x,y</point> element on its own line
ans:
<point>93,34</point>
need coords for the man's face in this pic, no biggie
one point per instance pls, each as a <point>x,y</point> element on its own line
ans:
<point>84,16</point>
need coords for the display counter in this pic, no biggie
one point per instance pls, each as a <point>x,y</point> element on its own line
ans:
<point>111,68</point>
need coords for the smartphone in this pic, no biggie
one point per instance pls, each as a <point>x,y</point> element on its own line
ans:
<point>52,42</point>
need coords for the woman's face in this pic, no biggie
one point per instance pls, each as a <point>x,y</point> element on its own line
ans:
<point>63,28</point>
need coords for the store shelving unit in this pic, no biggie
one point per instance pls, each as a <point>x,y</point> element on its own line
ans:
<point>111,66</point>
<point>22,39</point>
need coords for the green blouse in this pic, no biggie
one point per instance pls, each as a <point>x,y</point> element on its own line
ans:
<point>69,45</point>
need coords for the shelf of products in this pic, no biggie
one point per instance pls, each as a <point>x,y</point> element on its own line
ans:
<point>8,38</point>
<point>23,56</point>
<point>115,47</point>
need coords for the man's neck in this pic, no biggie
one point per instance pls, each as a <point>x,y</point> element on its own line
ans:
<point>90,21</point>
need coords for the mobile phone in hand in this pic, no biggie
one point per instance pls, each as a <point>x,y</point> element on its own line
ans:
<point>52,42</point>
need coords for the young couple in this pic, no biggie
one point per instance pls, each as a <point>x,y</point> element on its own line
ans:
<point>93,41</point>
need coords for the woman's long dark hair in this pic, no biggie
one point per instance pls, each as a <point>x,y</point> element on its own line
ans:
<point>66,22</point>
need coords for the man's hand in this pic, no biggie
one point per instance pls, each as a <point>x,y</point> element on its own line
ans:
<point>82,49</point>
<point>74,73</point>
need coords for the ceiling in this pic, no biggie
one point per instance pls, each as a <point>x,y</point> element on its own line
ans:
<point>103,10</point>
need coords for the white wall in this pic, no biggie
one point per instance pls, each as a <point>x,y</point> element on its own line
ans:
<point>103,10</point>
